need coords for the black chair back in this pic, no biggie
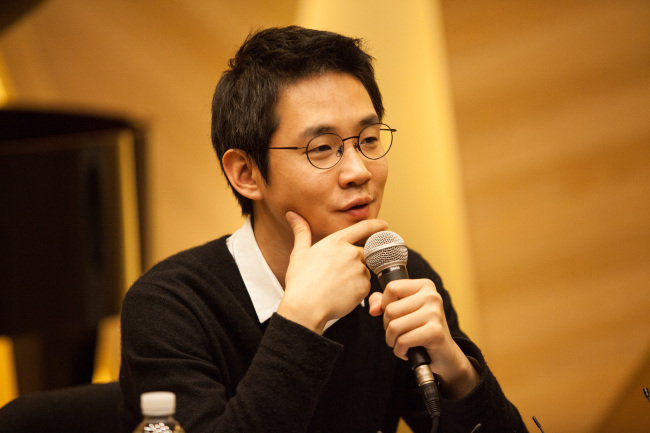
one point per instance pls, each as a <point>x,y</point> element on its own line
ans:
<point>84,408</point>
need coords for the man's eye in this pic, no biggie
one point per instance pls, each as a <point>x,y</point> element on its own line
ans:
<point>322,148</point>
<point>369,141</point>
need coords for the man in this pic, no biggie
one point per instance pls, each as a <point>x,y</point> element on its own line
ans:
<point>280,327</point>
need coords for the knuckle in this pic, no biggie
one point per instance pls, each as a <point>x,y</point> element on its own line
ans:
<point>395,333</point>
<point>389,341</point>
<point>432,296</point>
<point>435,334</point>
<point>400,347</point>
<point>431,311</point>
<point>389,312</point>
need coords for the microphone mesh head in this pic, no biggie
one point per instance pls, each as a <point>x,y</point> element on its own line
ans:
<point>384,249</point>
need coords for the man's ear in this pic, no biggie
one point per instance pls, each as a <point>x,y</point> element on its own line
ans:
<point>242,173</point>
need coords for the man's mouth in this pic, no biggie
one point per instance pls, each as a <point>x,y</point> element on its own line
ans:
<point>357,204</point>
<point>359,209</point>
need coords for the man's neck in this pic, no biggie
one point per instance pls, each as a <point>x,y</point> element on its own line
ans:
<point>275,245</point>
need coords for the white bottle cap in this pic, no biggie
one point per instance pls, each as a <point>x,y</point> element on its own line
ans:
<point>158,403</point>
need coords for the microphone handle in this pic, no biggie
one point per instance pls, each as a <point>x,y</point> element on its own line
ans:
<point>391,273</point>
<point>418,356</point>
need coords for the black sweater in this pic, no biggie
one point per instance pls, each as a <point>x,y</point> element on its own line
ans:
<point>189,326</point>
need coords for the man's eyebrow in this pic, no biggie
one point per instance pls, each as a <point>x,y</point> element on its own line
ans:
<point>369,120</point>
<point>313,131</point>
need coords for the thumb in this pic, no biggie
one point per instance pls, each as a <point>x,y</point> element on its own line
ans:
<point>301,230</point>
<point>374,304</point>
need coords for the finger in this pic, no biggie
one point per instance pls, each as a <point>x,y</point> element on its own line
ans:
<point>396,290</point>
<point>410,331</point>
<point>401,337</point>
<point>401,308</point>
<point>362,230</point>
<point>301,230</point>
<point>400,289</point>
<point>374,304</point>
<point>407,314</point>
<point>429,336</point>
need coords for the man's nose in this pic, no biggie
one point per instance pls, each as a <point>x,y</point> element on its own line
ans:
<point>353,168</point>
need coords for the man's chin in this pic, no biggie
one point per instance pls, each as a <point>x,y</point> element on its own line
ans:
<point>317,235</point>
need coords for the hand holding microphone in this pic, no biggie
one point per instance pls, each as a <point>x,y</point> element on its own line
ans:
<point>414,318</point>
<point>386,254</point>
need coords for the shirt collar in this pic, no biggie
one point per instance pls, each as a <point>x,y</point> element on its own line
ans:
<point>263,287</point>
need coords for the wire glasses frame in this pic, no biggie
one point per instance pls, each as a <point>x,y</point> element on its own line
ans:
<point>324,151</point>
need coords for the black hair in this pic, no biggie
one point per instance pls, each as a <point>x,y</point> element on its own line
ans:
<point>244,103</point>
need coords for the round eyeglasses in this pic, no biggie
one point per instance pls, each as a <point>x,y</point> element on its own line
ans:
<point>326,150</point>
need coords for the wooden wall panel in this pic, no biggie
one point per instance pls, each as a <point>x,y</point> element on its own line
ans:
<point>553,109</point>
<point>155,61</point>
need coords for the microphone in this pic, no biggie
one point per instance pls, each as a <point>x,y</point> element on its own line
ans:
<point>539,426</point>
<point>386,254</point>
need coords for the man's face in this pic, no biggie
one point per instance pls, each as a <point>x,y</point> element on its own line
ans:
<point>331,199</point>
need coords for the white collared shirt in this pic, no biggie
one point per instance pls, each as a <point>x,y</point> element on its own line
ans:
<point>263,287</point>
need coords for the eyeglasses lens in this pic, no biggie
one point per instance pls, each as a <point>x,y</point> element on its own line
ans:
<point>325,150</point>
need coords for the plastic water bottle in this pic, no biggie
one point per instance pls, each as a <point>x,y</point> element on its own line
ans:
<point>158,409</point>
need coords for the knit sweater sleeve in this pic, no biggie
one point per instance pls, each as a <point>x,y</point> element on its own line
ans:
<point>486,404</point>
<point>228,374</point>
<point>291,362</point>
